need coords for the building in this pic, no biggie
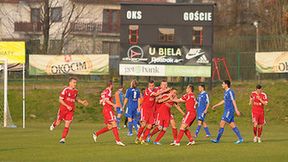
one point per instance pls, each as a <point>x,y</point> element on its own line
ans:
<point>83,26</point>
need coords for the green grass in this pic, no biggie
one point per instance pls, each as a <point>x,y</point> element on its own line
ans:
<point>37,143</point>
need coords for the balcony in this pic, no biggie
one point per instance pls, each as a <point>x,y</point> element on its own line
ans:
<point>28,27</point>
<point>96,28</point>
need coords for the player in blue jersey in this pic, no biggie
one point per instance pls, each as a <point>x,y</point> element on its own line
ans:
<point>202,109</point>
<point>133,99</point>
<point>230,108</point>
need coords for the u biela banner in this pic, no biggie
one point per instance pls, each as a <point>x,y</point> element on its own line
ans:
<point>14,52</point>
<point>69,64</point>
<point>272,62</point>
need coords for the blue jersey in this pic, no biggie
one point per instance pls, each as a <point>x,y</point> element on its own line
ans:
<point>132,94</point>
<point>202,100</point>
<point>229,96</point>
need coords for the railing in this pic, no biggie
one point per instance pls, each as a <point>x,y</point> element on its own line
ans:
<point>94,28</point>
<point>28,27</point>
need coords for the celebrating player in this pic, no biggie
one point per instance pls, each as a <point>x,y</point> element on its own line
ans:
<point>165,113</point>
<point>230,108</point>
<point>203,105</point>
<point>109,117</point>
<point>188,119</point>
<point>163,90</point>
<point>147,111</point>
<point>258,99</point>
<point>119,98</point>
<point>67,99</point>
<point>133,99</point>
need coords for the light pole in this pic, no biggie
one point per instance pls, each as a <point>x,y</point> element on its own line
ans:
<point>256,25</point>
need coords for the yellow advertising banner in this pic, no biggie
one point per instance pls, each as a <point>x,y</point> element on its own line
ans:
<point>97,64</point>
<point>14,52</point>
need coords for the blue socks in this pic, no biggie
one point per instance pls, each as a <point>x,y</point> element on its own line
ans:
<point>130,126</point>
<point>135,123</point>
<point>220,133</point>
<point>207,131</point>
<point>118,122</point>
<point>237,132</point>
<point>205,128</point>
<point>197,130</point>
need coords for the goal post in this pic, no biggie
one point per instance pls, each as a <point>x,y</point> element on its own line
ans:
<point>7,119</point>
<point>11,52</point>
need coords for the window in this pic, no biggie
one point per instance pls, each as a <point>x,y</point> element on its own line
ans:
<point>56,14</point>
<point>133,34</point>
<point>111,21</point>
<point>166,34</point>
<point>197,36</point>
<point>35,15</point>
<point>111,48</point>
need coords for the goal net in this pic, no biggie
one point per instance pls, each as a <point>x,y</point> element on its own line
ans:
<point>5,116</point>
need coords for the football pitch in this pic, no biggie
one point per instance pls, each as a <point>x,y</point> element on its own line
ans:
<point>37,143</point>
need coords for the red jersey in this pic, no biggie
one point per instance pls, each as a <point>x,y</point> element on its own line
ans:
<point>165,108</point>
<point>257,106</point>
<point>68,95</point>
<point>158,105</point>
<point>106,95</point>
<point>190,102</point>
<point>149,99</point>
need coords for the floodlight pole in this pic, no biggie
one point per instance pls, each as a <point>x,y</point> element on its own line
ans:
<point>256,25</point>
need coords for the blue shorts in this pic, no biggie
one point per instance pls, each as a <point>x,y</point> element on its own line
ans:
<point>131,112</point>
<point>119,110</point>
<point>201,116</point>
<point>228,116</point>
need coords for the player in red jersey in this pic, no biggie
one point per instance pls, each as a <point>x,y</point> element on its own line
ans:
<point>258,99</point>
<point>163,89</point>
<point>109,117</point>
<point>147,111</point>
<point>67,99</point>
<point>188,119</point>
<point>165,113</point>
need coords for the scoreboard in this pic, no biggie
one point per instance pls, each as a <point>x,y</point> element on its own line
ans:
<point>166,39</point>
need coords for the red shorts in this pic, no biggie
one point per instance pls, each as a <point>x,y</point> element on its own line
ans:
<point>147,116</point>
<point>189,118</point>
<point>258,118</point>
<point>164,123</point>
<point>65,115</point>
<point>108,115</point>
<point>156,118</point>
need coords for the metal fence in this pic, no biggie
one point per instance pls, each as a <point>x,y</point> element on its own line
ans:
<point>239,53</point>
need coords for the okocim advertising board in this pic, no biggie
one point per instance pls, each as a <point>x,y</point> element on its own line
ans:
<point>166,39</point>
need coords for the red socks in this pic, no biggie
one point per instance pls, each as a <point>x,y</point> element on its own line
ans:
<point>156,130</point>
<point>65,132</point>
<point>188,134</point>
<point>260,131</point>
<point>160,135</point>
<point>146,133</point>
<point>116,133</point>
<point>101,131</point>
<point>140,131</point>
<point>174,132</point>
<point>255,131</point>
<point>180,135</point>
